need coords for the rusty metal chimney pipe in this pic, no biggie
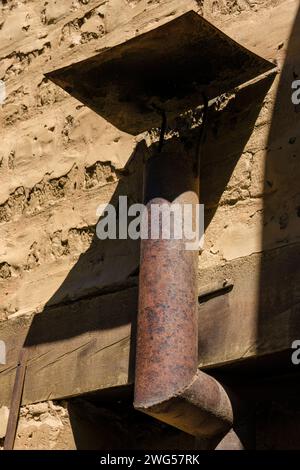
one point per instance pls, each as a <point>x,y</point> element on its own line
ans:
<point>168,384</point>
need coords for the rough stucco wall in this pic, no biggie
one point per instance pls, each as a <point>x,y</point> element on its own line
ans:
<point>59,161</point>
<point>42,426</point>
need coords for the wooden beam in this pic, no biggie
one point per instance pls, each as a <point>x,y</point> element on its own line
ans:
<point>16,400</point>
<point>73,348</point>
<point>88,345</point>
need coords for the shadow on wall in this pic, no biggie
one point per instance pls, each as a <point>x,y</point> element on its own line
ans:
<point>227,136</point>
<point>281,211</point>
<point>281,228</point>
<point>108,426</point>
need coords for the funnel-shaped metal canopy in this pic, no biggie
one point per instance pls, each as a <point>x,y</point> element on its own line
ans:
<point>170,66</point>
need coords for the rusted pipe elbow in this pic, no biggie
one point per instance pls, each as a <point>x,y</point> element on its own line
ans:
<point>202,409</point>
<point>168,384</point>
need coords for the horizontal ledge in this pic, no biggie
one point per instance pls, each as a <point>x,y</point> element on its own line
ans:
<point>89,345</point>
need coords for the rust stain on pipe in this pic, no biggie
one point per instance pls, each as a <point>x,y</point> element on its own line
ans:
<point>168,384</point>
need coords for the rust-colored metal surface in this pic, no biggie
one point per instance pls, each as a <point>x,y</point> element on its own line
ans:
<point>168,385</point>
<point>167,322</point>
<point>202,408</point>
<point>230,442</point>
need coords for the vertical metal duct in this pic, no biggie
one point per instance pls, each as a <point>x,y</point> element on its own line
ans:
<point>168,384</point>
